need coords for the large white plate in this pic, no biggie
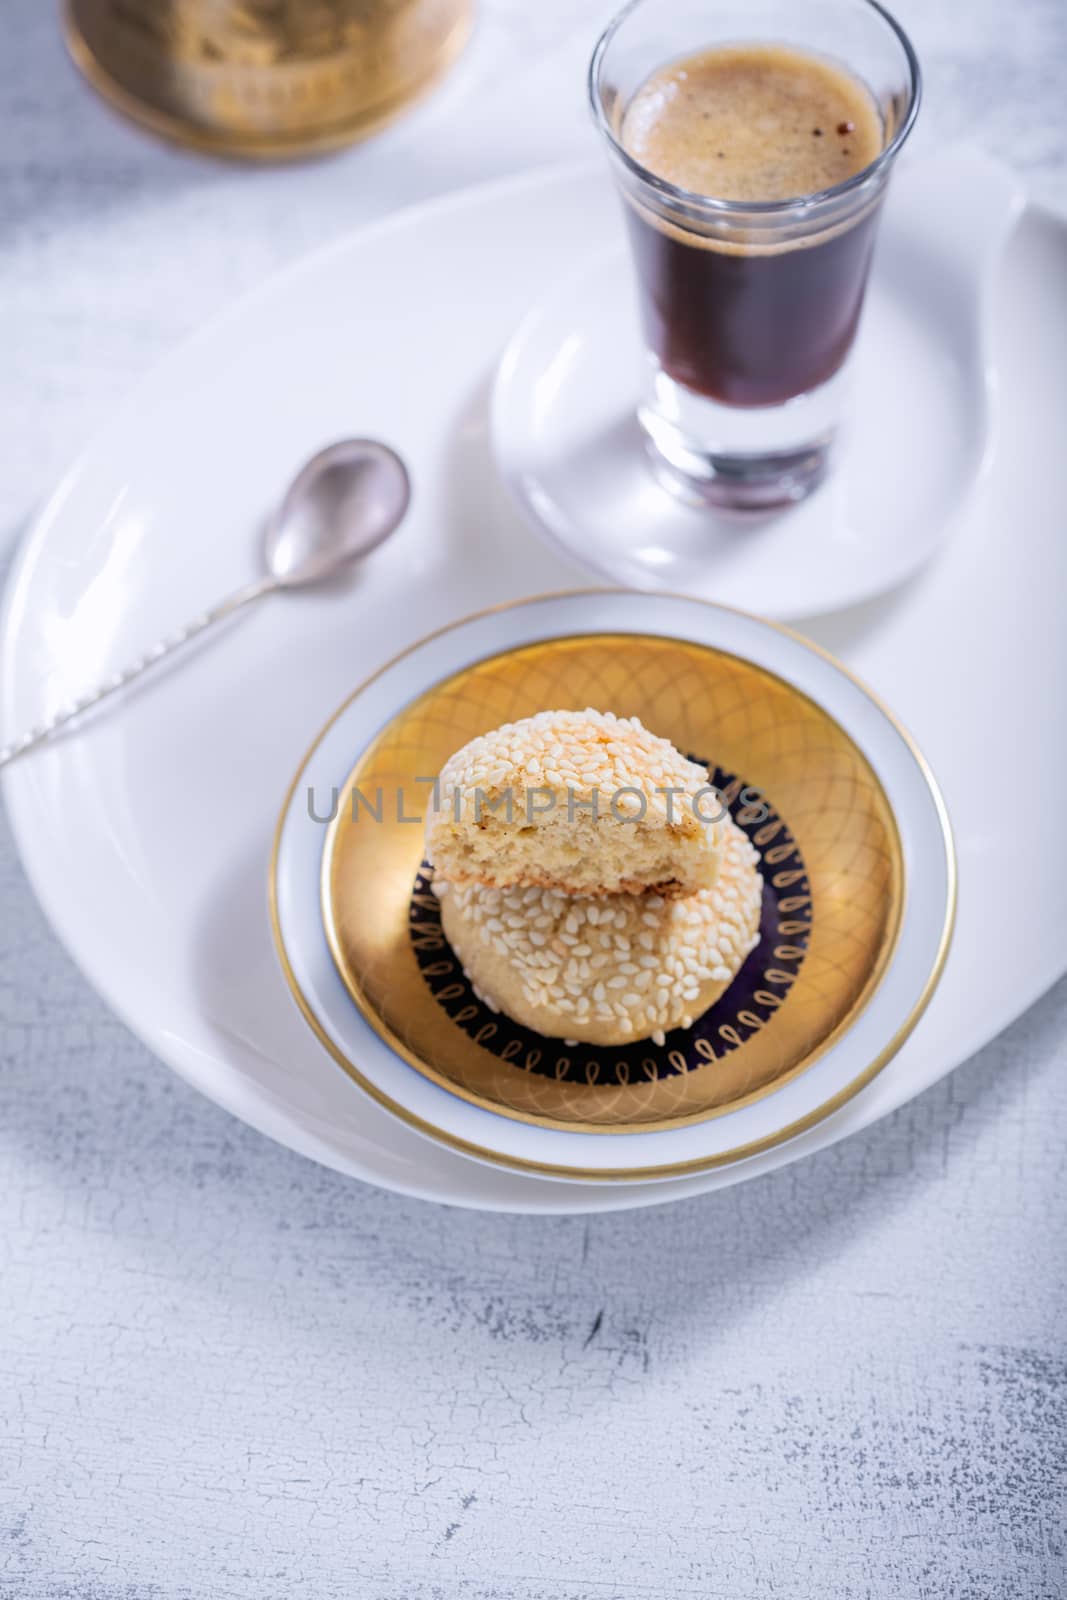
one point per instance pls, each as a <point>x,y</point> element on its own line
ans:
<point>146,833</point>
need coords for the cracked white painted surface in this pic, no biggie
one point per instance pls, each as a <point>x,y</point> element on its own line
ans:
<point>227,1373</point>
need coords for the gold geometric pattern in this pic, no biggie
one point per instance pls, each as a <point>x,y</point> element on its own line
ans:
<point>844,899</point>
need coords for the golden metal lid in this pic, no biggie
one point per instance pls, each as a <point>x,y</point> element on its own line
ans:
<point>266,79</point>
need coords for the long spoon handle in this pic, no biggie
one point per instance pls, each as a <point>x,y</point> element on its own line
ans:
<point>159,652</point>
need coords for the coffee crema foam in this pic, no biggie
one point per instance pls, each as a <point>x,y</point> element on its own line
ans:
<point>753,123</point>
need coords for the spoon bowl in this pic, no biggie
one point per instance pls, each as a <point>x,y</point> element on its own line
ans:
<point>343,503</point>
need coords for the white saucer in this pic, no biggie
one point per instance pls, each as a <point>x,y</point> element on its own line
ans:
<point>836,1072</point>
<point>146,833</point>
<point>919,424</point>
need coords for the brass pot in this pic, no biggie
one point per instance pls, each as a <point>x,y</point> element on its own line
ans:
<point>264,78</point>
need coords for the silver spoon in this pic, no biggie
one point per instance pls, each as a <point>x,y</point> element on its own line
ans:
<point>341,505</point>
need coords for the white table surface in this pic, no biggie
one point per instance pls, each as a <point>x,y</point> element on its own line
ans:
<point>227,1373</point>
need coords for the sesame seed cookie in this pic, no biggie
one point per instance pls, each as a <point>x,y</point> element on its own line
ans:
<point>606,970</point>
<point>580,801</point>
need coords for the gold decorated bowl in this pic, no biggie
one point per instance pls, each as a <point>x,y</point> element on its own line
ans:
<point>264,79</point>
<point>803,777</point>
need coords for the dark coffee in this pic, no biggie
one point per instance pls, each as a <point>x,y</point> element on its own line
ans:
<point>751,330</point>
<point>751,324</point>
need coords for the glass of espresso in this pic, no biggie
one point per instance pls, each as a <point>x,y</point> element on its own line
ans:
<point>752,141</point>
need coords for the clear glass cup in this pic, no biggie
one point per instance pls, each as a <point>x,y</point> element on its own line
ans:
<point>765,297</point>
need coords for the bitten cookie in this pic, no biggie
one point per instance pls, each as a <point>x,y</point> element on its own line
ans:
<point>580,801</point>
<point>606,970</point>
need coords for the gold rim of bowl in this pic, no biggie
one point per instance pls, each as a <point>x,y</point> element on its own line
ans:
<point>350,977</point>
